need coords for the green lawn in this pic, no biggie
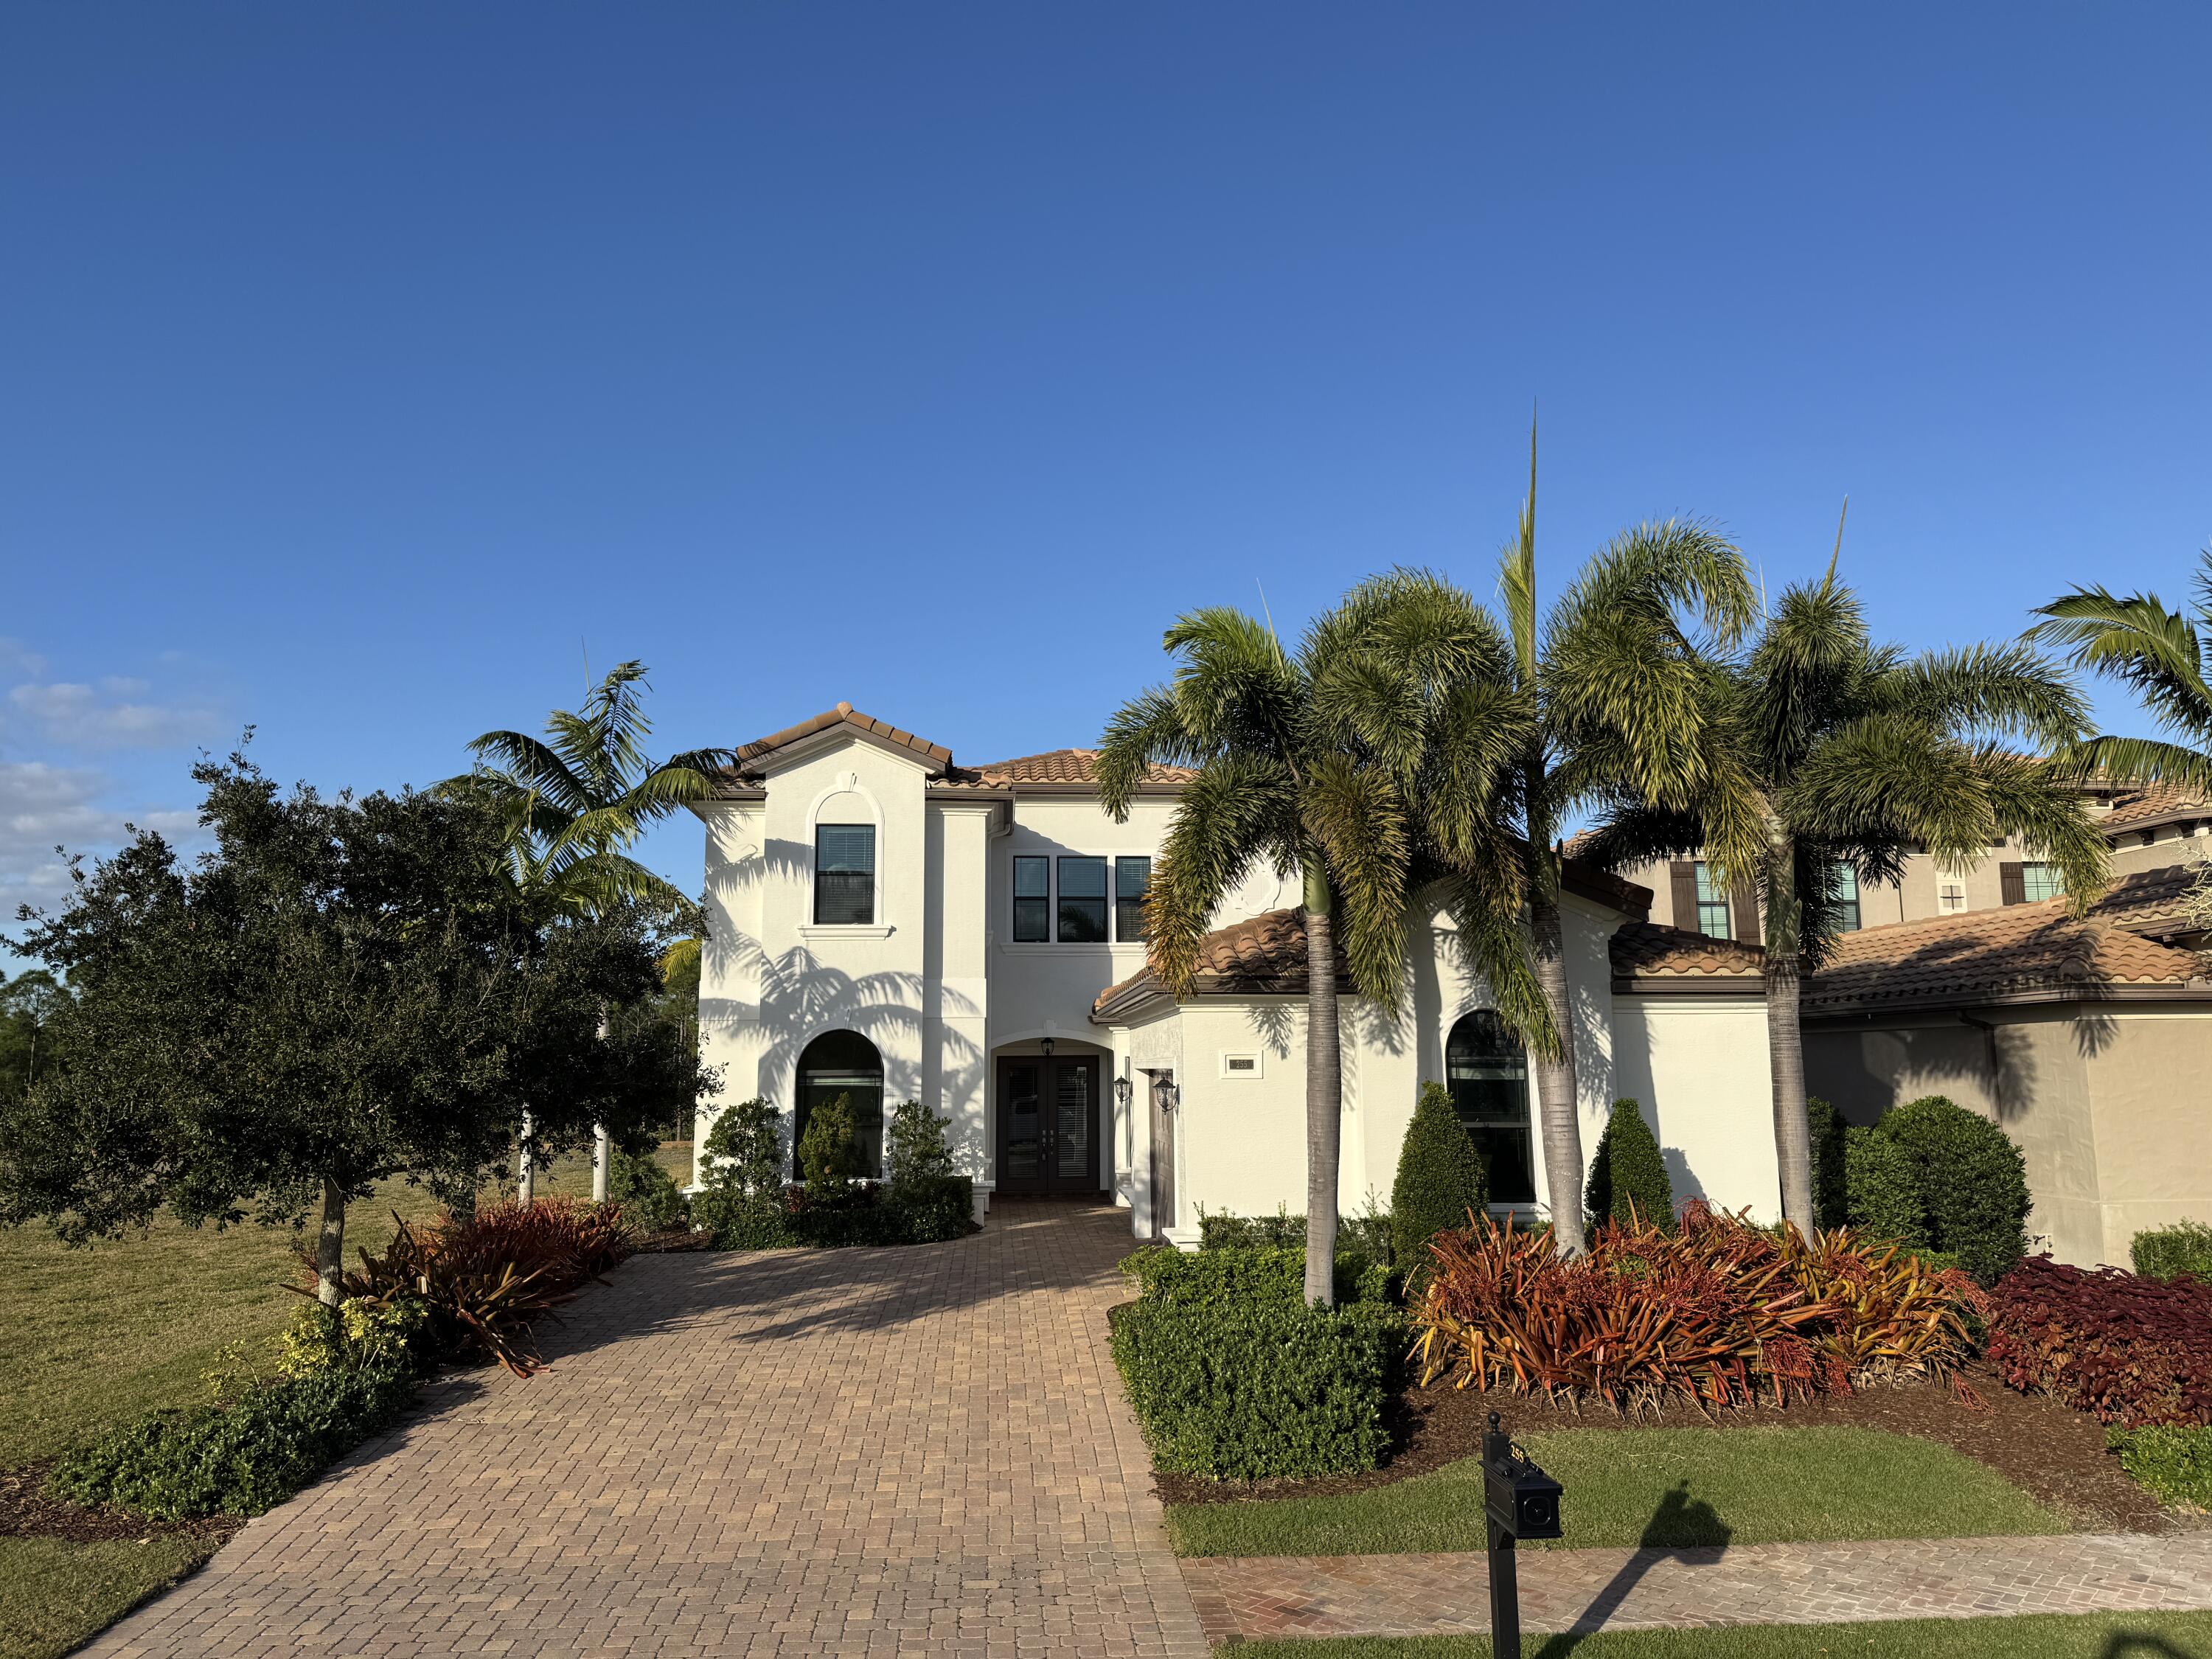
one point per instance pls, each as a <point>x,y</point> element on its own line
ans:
<point>1667,1487</point>
<point>91,1337</point>
<point>54,1596</point>
<point>2045,1635</point>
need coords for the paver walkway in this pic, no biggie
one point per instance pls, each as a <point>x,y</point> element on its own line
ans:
<point>1259,1596</point>
<point>915,1452</point>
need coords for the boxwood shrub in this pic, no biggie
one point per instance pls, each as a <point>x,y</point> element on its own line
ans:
<point>1972,1183</point>
<point>240,1459</point>
<point>1234,1380</point>
<point>2173,1461</point>
<point>1628,1177</point>
<point>2168,1252</point>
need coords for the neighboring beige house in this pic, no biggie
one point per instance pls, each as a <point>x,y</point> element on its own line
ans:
<point>887,924</point>
<point>2089,1041</point>
<point>2147,829</point>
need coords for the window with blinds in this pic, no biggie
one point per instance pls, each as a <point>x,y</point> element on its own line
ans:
<point>1133,878</point>
<point>2039,882</point>
<point>844,873</point>
<point>1032,900</point>
<point>1712,903</point>
<point>1082,901</point>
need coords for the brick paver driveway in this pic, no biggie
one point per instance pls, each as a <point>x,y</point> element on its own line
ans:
<point>918,1451</point>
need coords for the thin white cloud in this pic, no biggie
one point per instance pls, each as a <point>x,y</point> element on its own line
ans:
<point>42,807</point>
<point>107,716</point>
<point>16,658</point>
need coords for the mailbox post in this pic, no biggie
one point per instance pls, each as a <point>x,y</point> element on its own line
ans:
<point>1519,1501</point>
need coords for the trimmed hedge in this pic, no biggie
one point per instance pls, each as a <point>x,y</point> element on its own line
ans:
<point>1234,1380</point>
<point>1884,1188</point>
<point>2130,1351</point>
<point>2175,1462</point>
<point>1972,1183</point>
<point>240,1459</point>
<point>2169,1252</point>
<point>1274,1275</point>
<point>1628,1177</point>
<point>1441,1179</point>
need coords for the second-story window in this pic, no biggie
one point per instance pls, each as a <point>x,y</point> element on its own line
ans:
<point>1082,900</point>
<point>1032,900</point>
<point>1712,903</point>
<point>1132,877</point>
<point>845,873</point>
<point>1844,890</point>
<point>2039,882</point>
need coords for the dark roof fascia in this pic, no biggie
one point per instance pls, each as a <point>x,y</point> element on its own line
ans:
<point>1603,887</point>
<point>1077,791</point>
<point>2026,996</point>
<point>1690,984</point>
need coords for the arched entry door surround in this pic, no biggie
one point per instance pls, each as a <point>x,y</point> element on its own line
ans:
<point>1487,1071</point>
<point>842,1063</point>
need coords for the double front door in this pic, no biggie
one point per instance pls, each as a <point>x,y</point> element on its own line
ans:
<point>1048,1124</point>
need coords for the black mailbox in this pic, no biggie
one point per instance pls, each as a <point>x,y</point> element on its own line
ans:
<point>1520,1498</point>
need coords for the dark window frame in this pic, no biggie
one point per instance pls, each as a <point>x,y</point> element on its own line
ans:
<point>1126,906</point>
<point>1062,899</point>
<point>1042,899</point>
<point>1484,1064</point>
<point>864,891</point>
<point>1850,917</point>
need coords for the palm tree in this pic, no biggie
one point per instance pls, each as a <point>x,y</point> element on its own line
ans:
<point>1831,752</point>
<point>575,802</point>
<point>2164,656</point>
<point>1616,680</point>
<point>1364,763</point>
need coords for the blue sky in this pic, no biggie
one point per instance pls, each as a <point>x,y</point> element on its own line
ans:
<point>363,367</point>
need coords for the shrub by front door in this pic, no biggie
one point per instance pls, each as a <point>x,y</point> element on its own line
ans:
<point>1048,1125</point>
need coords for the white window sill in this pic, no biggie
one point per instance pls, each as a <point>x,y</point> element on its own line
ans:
<point>1133,948</point>
<point>844,930</point>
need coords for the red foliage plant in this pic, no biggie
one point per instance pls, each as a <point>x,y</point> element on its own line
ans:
<point>488,1276</point>
<point>1717,1312</point>
<point>2129,1350</point>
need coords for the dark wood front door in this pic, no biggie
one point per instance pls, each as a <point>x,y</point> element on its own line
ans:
<point>1048,1125</point>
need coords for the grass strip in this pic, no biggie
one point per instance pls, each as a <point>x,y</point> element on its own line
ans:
<point>1659,1487</point>
<point>2034,1636</point>
<point>55,1595</point>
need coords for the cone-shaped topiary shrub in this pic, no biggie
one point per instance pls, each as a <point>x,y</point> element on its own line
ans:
<point>1832,1203</point>
<point>1440,1182</point>
<point>1972,1183</point>
<point>1628,1177</point>
<point>829,1150</point>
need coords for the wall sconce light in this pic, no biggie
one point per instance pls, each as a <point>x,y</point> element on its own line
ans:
<point>1122,1090</point>
<point>1045,1048</point>
<point>1170,1097</point>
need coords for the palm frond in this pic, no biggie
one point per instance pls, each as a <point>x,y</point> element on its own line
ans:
<point>1146,731</point>
<point>1239,809</point>
<point>1360,820</point>
<point>1987,689</point>
<point>2156,652</point>
<point>2140,760</point>
<point>529,764</point>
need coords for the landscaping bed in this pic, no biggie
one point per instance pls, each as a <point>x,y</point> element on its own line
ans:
<point>2055,1456</point>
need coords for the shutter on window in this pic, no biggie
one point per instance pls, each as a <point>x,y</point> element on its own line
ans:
<point>1743,906</point>
<point>1683,877</point>
<point>2014,883</point>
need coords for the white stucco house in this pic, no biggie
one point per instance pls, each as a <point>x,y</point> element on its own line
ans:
<point>887,924</point>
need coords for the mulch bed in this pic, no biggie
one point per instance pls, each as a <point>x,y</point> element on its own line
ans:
<point>28,1511</point>
<point>2053,1453</point>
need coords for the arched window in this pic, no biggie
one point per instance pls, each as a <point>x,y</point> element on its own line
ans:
<point>1487,1072</point>
<point>843,1063</point>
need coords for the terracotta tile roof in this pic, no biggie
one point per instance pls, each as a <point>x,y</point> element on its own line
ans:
<point>2159,804</point>
<point>1644,950</point>
<point>2155,903</point>
<point>749,756</point>
<point>2022,952</point>
<point>1261,957</point>
<point>1069,766</point>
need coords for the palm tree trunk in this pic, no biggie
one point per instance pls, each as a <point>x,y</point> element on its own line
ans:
<point>1785,1042</point>
<point>330,1246</point>
<point>1324,1092</point>
<point>1785,1048</point>
<point>1558,1090</point>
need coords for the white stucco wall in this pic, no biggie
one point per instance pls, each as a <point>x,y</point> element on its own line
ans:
<point>1698,1066</point>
